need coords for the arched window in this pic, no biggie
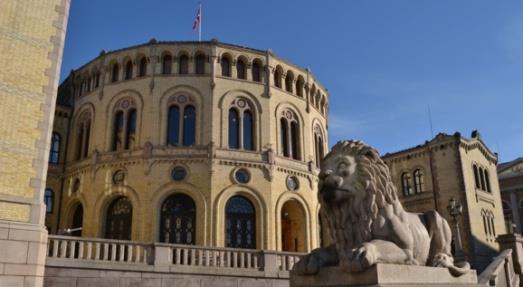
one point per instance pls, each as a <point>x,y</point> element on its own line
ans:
<point>97,80</point>
<point>419,181</point>
<point>173,125</point>
<point>240,69</point>
<point>240,223</point>
<point>487,181</point>
<point>83,132</point>
<point>54,152</point>
<point>167,63</point>
<point>115,72</point>
<point>317,101</point>
<point>256,71</point>
<point>476,176</point>
<point>318,145</point>
<point>119,219</point>
<point>406,184</point>
<point>129,70</point>
<point>485,225</point>
<point>189,125</point>
<point>49,200</point>
<point>124,124</point>
<point>234,129</point>
<point>293,227</point>
<point>183,67</point>
<point>277,76</point>
<point>312,94</point>
<point>248,128</point>
<point>226,66</point>
<point>322,105</point>
<point>241,125</point>
<point>482,178</point>
<point>78,221</point>
<point>118,131</point>
<point>131,129</point>
<point>290,135</point>
<point>178,220</point>
<point>199,64</point>
<point>299,86</point>
<point>143,67</point>
<point>289,79</point>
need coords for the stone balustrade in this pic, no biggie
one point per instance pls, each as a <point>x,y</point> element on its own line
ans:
<point>95,253</point>
<point>500,272</point>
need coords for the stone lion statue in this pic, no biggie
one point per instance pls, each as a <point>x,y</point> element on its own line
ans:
<point>367,222</point>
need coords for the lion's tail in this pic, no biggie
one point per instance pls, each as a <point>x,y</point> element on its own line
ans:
<point>456,269</point>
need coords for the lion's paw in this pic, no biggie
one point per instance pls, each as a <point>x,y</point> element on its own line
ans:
<point>309,264</point>
<point>363,257</point>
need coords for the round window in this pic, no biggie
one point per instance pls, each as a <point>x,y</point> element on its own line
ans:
<point>179,173</point>
<point>118,177</point>
<point>242,176</point>
<point>292,183</point>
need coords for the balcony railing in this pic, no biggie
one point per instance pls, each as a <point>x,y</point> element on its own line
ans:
<point>78,252</point>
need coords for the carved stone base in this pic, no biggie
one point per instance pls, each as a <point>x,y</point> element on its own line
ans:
<point>388,275</point>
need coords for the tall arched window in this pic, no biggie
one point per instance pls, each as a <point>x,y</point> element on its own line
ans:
<point>181,121</point>
<point>256,71</point>
<point>482,178</point>
<point>234,129</point>
<point>115,72</point>
<point>278,72</point>
<point>189,125</point>
<point>54,151</point>
<point>419,181</point>
<point>142,71</point>
<point>78,221</point>
<point>226,66</point>
<point>487,181</point>
<point>317,100</point>
<point>240,223</point>
<point>183,67</point>
<point>119,219</point>
<point>290,135</point>
<point>167,63</point>
<point>131,129</point>
<point>124,124</point>
<point>300,83</point>
<point>289,79</point>
<point>97,80</point>
<point>199,64</point>
<point>129,70</point>
<point>318,145</point>
<point>83,132</point>
<point>178,220</point>
<point>173,125</point>
<point>476,176</point>
<point>312,94</point>
<point>322,105</point>
<point>406,184</point>
<point>241,125</point>
<point>49,200</point>
<point>240,69</point>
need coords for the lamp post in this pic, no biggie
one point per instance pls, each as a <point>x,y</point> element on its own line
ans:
<point>455,209</point>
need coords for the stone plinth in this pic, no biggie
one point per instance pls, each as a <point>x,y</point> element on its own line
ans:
<point>385,275</point>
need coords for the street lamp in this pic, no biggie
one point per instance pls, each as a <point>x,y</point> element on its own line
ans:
<point>455,209</point>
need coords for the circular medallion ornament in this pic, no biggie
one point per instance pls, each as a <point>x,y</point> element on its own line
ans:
<point>118,177</point>
<point>292,183</point>
<point>182,99</point>
<point>242,176</point>
<point>241,103</point>
<point>179,173</point>
<point>288,114</point>
<point>125,104</point>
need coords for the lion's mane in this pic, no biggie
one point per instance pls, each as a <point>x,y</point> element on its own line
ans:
<point>351,225</point>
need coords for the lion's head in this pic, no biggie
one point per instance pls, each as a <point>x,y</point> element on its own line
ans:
<point>354,184</point>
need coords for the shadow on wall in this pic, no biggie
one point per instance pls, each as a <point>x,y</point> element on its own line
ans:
<point>482,255</point>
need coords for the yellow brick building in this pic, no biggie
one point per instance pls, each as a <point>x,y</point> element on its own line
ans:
<point>31,40</point>
<point>200,143</point>
<point>451,166</point>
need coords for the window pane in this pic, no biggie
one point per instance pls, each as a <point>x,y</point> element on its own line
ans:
<point>54,152</point>
<point>78,219</point>
<point>178,220</point>
<point>118,223</point>
<point>129,70</point>
<point>116,71</point>
<point>189,125</point>
<point>248,128</point>
<point>295,139</point>
<point>184,65</point>
<point>284,137</point>
<point>131,129</point>
<point>173,125</point>
<point>240,227</point>
<point>79,141</point>
<point>86,139</point>
<point>118,131</point>
<point>200,64</point>
<point>143,67</point>
<point>48,200</point>
<point>256,72</point>
<point>167,64</point>
<point>240,69</point>
<point>234,129</point>
<point>226,67</point>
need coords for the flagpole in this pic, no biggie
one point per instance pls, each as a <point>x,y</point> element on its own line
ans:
<point>200,25</point>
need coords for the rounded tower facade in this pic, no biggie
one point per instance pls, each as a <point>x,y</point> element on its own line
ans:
<point>199,143</point>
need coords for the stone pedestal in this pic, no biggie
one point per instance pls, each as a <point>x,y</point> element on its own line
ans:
<point>388,275</point>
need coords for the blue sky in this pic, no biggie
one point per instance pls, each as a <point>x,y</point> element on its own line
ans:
<point>384,62</point>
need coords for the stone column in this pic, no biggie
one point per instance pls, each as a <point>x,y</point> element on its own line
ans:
<point>28,96</point>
